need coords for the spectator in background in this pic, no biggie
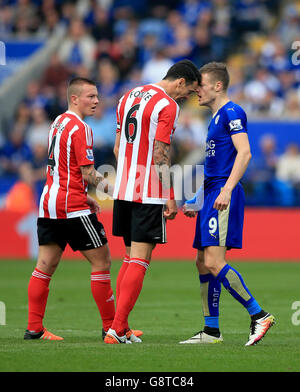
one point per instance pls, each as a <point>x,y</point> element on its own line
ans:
<point>288,165</point>
<point>201,52</point>
<point>101,30</point>
<point>108,83</point>
<point>268,187</point>
<point>124,52</point>
<point>124,19</point>
<point>53,79</point>
<point>127,7</point>
<point>287,82</point>
<point>221,29</point>
<point>25,8</point>
<point>39,128</point>
<point>21,196</point>
<point>275,58</point>
<point>173,19</point>
<point>68,12</point>
<point>56,72</point>
<point>34,95</point>
<point>250,16</point>
<point>58,103</point>
<point>36,169</point>
<point>148,48</point>
<point>48,6</point>
<point>292,106</point>
<point>22,29</point>
<point>236,87</point>
<point>22,117</point>
<point>50,25</point>
<point>192,9</point>
<point>6,21</point>
<point>259,91</point>
<point>26,20</point>
<point>25,193</point>
<point>78,48</point>
<point>181,45</point>
<point>154,25</point>
<point>14,152</point>
<point>289,24</point>
<point>101,26</point>
<point>156,68</point>
<point>261,172</point>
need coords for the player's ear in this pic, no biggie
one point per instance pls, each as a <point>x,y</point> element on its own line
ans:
<point>218,86</point>
<point>180,82</point>
<point>74,99</point>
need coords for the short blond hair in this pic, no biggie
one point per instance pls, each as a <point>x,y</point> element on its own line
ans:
<point>75,86</point>
<point>218,71</point>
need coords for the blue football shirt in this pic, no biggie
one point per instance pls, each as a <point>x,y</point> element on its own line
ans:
<point>220,151</point>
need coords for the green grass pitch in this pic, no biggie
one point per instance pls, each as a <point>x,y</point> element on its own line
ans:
<point>168,311</point>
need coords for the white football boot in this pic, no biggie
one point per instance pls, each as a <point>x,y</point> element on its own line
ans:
<point>112,338</point>
<point>202,337</point>
<point>132,338</point>
<point>259,328</point>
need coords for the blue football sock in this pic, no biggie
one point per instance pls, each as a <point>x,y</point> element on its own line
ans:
<point>234,284</point>
<point>210,294</point>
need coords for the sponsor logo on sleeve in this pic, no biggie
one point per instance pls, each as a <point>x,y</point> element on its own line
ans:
<point>89,154</point>
<point>236,125</point>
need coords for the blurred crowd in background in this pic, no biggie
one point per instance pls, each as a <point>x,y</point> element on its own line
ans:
<point>124,43</point>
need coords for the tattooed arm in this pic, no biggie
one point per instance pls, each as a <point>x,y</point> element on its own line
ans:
<point>90,175</point>
<point>162,162</point>
<point>96,179</point>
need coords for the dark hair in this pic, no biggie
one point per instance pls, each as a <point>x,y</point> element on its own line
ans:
<point>184,69</point>
<point>75,84</point>
<point>218,71</point>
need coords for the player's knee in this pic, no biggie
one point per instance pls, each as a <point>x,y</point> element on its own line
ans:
<point>200,261</point>
<point>104,263</point>
<point>212,264</point>
<point>209,264</point>
<point>47,265</point>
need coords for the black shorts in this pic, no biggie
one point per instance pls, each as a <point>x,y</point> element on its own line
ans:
<point>139,222</point>
<point>81,233</point>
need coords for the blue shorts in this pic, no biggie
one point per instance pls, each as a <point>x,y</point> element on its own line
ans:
<point>220,228</point>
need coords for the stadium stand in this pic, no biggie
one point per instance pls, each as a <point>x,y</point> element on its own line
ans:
<point>121,43</point>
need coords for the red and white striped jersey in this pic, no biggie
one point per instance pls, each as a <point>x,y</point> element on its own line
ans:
<point>144,114</point>
<point>70,145</point>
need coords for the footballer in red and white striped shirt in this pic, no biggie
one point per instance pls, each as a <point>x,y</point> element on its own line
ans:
<point>70,146</point>
<point>144,114</point>
<point>67,214</point>
<point>144,199</point>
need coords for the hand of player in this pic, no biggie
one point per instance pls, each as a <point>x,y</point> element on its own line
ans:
<point>170,209</point>
<point>188,211</point>
<point>222,201</point>
<point>94,206</point>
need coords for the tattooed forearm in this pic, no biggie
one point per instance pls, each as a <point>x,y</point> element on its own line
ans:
<point>96,179</point>
<point>90,175</point>
<point>162,161</point>
<point>161,153</point>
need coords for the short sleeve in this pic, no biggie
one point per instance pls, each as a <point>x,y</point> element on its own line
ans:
<point>237,120</point>
<point>118,122</point>
<point>82,141</point>
<point>167,121</point>
<point>118,115</point>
